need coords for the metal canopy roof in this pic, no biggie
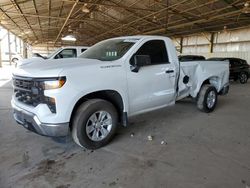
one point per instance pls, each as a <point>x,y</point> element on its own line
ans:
<point>43,21</point>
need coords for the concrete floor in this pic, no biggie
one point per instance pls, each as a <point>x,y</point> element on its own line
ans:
<point>202,150</point>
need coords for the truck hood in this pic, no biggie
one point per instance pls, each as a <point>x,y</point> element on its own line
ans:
<point>53,68</point>
<point>24,62</point>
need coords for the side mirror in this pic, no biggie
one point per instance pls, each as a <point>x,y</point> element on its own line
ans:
<point>140,61</point>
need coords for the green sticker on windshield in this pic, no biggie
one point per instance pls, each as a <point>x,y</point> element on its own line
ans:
<point>111,54</point>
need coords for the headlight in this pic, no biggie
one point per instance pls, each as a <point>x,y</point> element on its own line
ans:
<point>53,84</point>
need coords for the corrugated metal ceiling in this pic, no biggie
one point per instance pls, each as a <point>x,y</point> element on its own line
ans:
<point>39,21</point>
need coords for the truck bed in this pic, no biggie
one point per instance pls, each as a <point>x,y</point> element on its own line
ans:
<point>216,72</point>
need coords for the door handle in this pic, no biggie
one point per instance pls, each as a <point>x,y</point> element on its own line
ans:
<point>169,71</point>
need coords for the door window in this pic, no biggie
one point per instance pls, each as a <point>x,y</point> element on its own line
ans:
<point>66,53</point>
<point>157,51</point>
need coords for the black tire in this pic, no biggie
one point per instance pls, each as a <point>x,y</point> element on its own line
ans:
<point>243,77</point>
<point>80,119</point>
<point>202,103</point>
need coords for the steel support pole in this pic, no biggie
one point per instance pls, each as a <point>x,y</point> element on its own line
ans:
<point>10,55</point>
<point>181,45</point>
<point>0,53</point>
<point>211,50</point>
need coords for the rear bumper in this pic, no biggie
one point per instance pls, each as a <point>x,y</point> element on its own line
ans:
<point>224,90</point>
<point>31,122</point>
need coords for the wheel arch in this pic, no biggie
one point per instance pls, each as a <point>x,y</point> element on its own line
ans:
<point>112,96</point>
<point>214,81</point>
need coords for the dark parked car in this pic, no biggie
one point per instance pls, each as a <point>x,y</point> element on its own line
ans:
<point>239,68</point>
<point>191,58</point>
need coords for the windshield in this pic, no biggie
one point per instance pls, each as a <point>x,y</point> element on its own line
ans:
<point>53,53</point>
<point>109,50</point>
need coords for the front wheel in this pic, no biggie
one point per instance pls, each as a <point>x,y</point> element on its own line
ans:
<point>207,98</point>
<point>243,78</point>
<point>94,124</point>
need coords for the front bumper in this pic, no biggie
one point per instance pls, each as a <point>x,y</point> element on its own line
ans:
<point>31,122</point>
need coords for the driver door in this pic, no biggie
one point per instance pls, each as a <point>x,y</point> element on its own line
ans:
<point>153,86</point>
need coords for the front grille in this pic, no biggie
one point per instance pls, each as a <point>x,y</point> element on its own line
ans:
<point>22,84</point>
<point>30,92</point>
<point>26,91</point>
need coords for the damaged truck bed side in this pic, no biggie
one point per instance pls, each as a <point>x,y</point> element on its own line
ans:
<point>194,74</point>
<point>110,82</point>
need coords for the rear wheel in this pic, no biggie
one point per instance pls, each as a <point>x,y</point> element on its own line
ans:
<point>243,78</point>
<point>207,98</point>
<point>94,124</point>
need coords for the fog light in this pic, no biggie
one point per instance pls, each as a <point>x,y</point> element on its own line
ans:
<point>51,102</point>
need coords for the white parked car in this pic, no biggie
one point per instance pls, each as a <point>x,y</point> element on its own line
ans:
<point>67,52</point>
<point>61,53</point>
<point>110,82</point>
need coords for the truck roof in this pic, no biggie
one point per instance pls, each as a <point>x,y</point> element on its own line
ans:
<point>74,47</point>
<point>142,37</point>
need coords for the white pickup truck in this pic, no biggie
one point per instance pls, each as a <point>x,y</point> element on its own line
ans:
<point>110,82</point>
<point>60,53</point>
